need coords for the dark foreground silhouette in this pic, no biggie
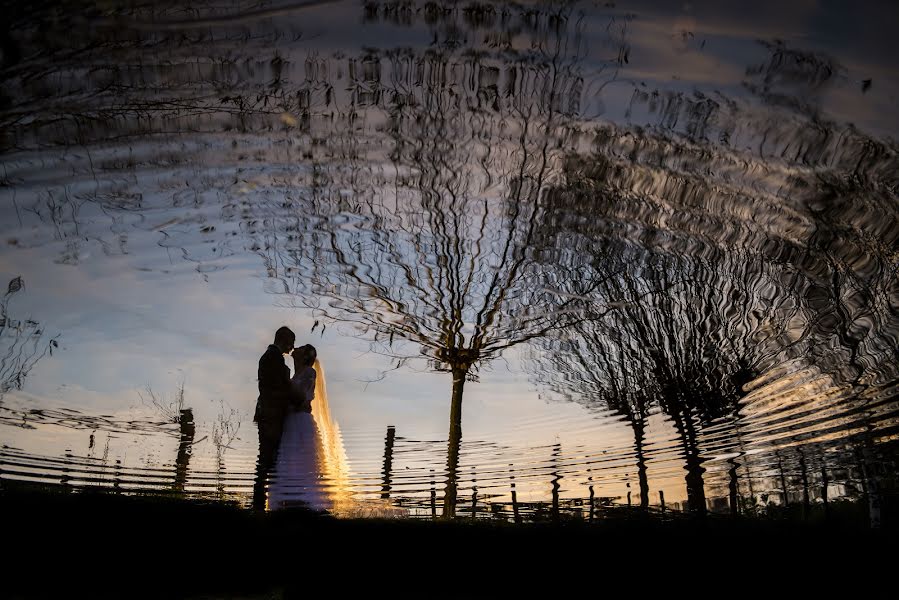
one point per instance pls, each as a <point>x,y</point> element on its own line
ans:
<point>138,546</point>
<point>271,408</point>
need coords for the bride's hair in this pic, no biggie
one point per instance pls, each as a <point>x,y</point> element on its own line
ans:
<point>305,355</point>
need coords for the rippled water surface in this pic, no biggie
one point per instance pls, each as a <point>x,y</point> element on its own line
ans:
<point>556,258</point>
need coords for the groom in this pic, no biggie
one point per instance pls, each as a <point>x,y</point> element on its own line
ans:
<point>271,407</point>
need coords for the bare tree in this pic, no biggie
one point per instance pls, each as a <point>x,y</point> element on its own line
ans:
<point>736,295</point>
<point>436,252</point>
<point>23,342</point>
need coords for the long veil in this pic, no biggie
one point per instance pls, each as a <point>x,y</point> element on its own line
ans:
<point>312,466</point>
<point>334,464</point>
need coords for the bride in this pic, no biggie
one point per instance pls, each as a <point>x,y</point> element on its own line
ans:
<point>311,468</point>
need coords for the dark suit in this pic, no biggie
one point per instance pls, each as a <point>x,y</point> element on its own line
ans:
<point>274,386</point>
<point>271,408</point>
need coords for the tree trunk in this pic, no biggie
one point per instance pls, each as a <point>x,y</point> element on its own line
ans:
<point>694,468</point>
<point>455,441</point>
<point>639,426</point>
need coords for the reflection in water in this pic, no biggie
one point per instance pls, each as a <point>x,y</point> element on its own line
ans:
<point>312,471</point>
<point>432,253</point>
<point>739,301</point>
<point>187,431</point>
<point>276,404</point>
<point>709,268</point>
<point>224,433</point>
<point>335,464</point>
<point>23,342</point>
<point>388,461</point>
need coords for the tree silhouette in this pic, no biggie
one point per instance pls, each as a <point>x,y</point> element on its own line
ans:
<point>23,342</point>
<point>436,252</point>
<point>737,295</point>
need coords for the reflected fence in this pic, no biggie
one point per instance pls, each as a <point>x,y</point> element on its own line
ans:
<point>546,484</point>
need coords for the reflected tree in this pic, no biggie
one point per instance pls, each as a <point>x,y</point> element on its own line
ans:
<point>224,432</point>
<point>175,412</point>
<point>435,252</point>
<point>23,342</point>
<point>721,313</point>
<point>744,296</point>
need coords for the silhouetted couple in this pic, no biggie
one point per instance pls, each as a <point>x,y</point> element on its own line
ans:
<point>284,409</point>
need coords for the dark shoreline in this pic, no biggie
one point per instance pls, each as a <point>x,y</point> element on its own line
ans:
<point>95,542</point>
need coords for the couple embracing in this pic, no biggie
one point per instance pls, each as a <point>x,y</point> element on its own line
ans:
<point>287,430</point>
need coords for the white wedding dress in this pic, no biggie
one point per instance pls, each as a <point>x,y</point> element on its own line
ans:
<point>311,468</point>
